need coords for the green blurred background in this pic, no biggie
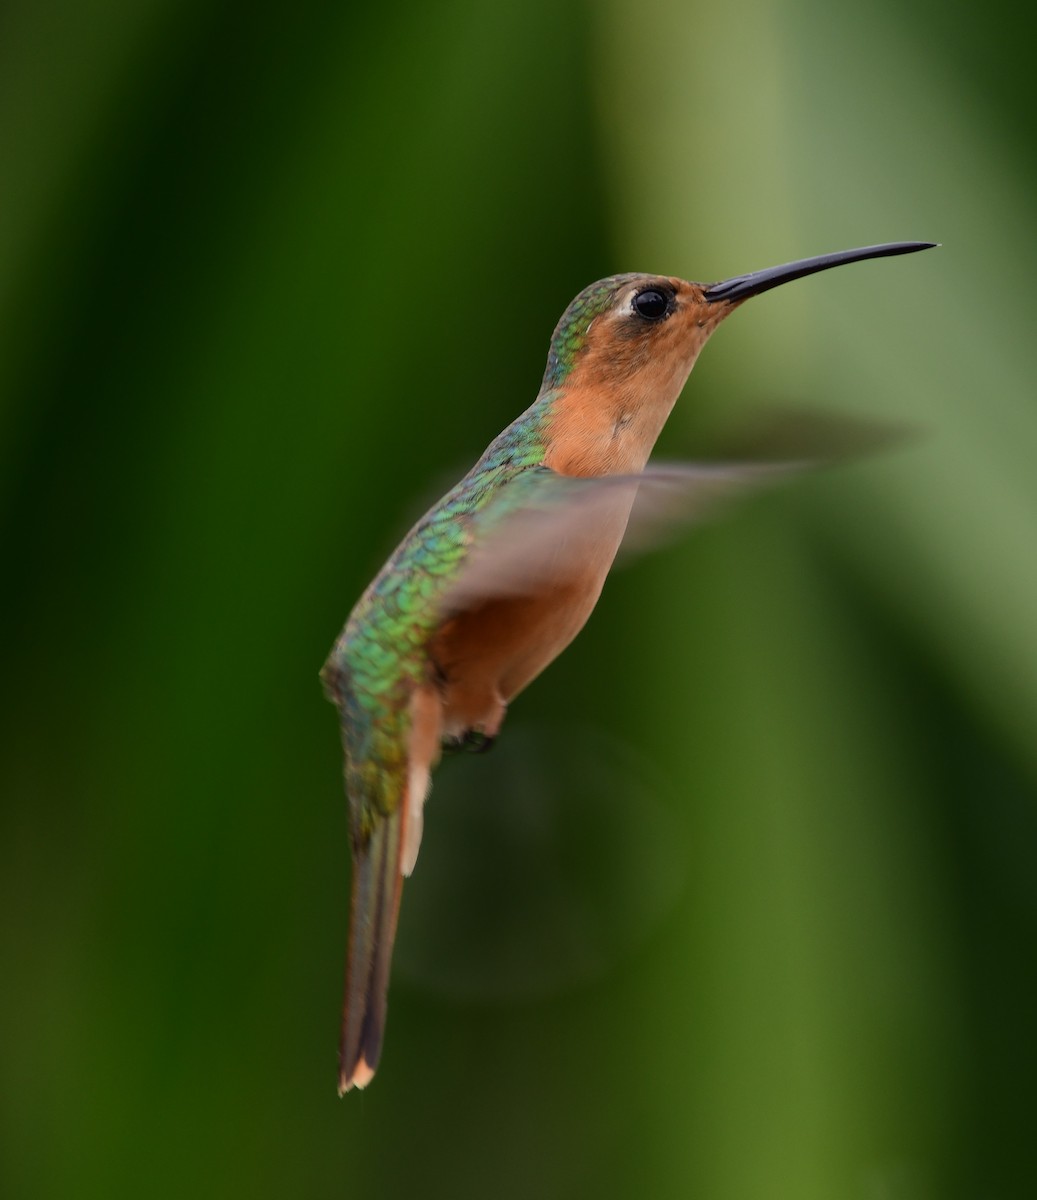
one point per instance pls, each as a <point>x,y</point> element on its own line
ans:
<point>760,922</point>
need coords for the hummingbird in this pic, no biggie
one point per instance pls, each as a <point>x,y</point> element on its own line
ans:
<point>499,576</point>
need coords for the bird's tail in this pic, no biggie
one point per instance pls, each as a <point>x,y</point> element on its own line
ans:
<point>375,906</point>
<point>382,857</point>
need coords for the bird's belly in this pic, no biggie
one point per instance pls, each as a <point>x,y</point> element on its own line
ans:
<point>521,614</point>
<point>488,654</point>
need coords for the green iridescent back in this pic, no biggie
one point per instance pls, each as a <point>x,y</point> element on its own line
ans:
<point>382,653</point>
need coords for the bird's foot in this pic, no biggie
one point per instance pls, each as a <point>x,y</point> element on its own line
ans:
<point>474,741</point>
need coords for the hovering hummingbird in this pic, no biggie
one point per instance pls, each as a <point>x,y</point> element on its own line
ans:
<point>499,577</point>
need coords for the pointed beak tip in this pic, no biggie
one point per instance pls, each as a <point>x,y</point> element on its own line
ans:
<point>741,287</point>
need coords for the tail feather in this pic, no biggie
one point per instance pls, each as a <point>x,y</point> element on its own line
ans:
<point>377,886</point>
<point>381,858</point>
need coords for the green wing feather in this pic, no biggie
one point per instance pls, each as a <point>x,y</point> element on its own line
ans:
<point>376,664</point>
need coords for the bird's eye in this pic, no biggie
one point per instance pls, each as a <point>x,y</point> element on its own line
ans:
<point>651,304</point>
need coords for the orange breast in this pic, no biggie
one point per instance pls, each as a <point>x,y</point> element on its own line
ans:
<point>488,653</point>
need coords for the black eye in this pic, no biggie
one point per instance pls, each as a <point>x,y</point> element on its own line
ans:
<point>651,304</point>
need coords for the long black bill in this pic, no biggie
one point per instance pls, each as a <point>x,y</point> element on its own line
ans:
<point>741,287</point>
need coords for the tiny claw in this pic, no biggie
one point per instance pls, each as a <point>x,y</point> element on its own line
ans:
<point>478,742</point>
<point>474,741</point>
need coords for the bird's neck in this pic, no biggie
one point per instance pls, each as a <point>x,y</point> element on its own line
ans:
<point>605,427</point>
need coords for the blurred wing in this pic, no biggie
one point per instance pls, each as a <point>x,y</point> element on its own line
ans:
<point>673,495</point>
<point>546,524</point>
<point>795,433</point>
